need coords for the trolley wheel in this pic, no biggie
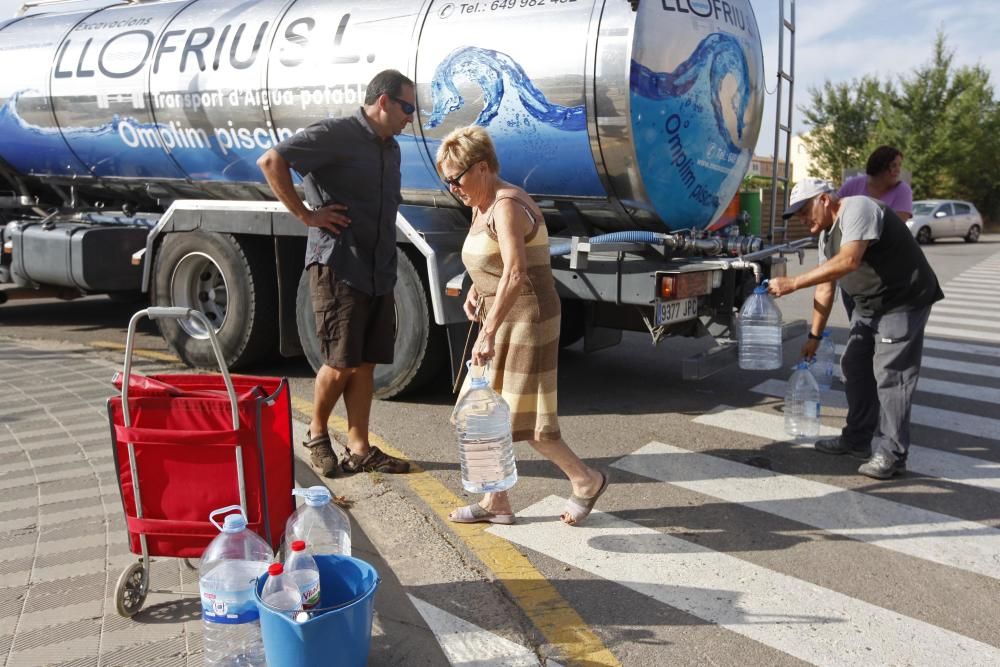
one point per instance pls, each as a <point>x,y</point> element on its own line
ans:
<point>130,592</point>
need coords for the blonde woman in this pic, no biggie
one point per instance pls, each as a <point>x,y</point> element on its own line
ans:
<point>514,296</point>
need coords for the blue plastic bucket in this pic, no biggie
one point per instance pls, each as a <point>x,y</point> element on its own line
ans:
<point>340,626</point>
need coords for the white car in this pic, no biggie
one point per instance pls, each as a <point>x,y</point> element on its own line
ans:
<point>940,218</point>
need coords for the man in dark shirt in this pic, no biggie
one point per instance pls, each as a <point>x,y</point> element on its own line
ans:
<point>351,178</point>
<point>878,263</point>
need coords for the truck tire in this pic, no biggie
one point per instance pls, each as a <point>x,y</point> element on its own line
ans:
<point>572,323</point>
<point>421,346</point>
<point>231,281</point>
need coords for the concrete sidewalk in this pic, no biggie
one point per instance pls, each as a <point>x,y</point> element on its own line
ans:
<point>63,537</point>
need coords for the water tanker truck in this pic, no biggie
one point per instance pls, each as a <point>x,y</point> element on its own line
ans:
<point>129,136</point>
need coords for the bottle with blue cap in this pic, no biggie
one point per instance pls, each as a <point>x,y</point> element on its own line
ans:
<point>802,403</point>
<point>228,574</point>
<point>760,331</point>
<point>319,523</point>
<point>825,363</point>
<point>485,450</point>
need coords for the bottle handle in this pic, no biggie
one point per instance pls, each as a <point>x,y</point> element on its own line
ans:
<point>468,365</point>
<point>224,510</point>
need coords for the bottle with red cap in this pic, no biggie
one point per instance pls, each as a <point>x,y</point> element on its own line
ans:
<point>301,568</point>
<point>280,592</point>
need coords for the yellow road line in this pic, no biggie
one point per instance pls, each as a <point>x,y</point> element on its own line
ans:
<point>558,622</point>
<point>148,354</point>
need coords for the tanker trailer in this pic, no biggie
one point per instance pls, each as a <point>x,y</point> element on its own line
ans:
<point>138,126</point>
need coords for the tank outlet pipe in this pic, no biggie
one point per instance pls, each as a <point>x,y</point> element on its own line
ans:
<point>742,265</point>
<point>651,238</point>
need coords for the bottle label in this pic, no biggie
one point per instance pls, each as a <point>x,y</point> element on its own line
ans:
<point>310,594</point>
<point>812,409</point>
<point>232,607</point>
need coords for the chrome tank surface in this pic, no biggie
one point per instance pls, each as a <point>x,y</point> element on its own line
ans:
<point>651,114</point>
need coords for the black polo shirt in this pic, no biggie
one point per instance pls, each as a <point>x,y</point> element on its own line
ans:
<point>343,161</point>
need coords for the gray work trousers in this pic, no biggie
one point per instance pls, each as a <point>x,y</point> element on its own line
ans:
<point>881,365</point>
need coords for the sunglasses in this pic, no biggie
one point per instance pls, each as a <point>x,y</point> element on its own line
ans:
<point>407,108</point>
<point>456,182</point>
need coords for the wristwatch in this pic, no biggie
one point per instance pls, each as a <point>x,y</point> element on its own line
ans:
<point>813,336</point>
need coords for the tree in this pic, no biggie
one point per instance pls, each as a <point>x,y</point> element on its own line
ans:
<point>945,119</point>
<point>843,116</point>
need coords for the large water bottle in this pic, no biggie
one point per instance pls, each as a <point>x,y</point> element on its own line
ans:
<point>802,403</point>
<point>482,423</point>
<point>319,523</point>
<point>825,363</point>
<point>760,331</point>
<point>230,566</point>
<point>301,568</point>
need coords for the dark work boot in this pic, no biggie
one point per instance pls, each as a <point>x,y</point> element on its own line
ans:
<point>839,446</point>
<point>321,454</point>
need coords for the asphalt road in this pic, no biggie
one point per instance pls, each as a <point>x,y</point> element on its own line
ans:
<point>722,542</point>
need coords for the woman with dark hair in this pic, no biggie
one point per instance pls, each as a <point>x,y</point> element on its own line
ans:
<point>881,181</point>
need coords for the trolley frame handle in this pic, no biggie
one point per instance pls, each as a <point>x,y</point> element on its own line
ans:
<point>176,313</point>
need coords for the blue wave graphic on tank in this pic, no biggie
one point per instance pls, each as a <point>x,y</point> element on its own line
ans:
<point>543,146</point>
<point>126,147</point>
<point>691,163</point>
<point>33,149</point>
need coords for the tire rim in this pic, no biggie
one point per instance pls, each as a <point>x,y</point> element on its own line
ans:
<point>974,233</point>
<point>198,283</point>
<point>924,235</point>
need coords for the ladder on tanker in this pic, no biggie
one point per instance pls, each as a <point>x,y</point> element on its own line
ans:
<point>777,231</point>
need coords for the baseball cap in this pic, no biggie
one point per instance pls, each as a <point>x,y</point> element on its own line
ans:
<point>803,191</point>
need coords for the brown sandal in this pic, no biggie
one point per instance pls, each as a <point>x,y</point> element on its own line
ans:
<point>321,454</point>
<point>374,461</point>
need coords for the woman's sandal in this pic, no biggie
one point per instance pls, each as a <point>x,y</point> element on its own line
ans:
<point>475,513</point>
<point>577,508</point>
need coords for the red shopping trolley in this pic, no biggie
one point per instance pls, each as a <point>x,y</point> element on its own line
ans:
<point>188,444</point>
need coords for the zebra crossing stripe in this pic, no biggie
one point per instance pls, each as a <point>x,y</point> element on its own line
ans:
<point>928,416</point>
<point>916,532</point>
<point>963,348</point>
<point>959,306</point>
<point>984,295</point>
<point>986,313</point>
<point>951,332</point>
<point>978,322</point>
<point>923,460</point>
<point>812,623</point>
<point>466,644</point>
<point>962,367</point>
<point>959,422</point>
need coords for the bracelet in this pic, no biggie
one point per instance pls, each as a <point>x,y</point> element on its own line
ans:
<point>813,336</point>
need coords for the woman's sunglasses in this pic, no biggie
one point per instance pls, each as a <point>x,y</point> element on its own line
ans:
<point>456,182</point>
<point>407,108</point>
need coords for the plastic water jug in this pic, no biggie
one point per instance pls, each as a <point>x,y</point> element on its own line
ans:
<point>230,566</point>
<point>319,523</point>
<point>482,424</point>
<point>760,331</point>
<point>802,403</point>
<point>301,568</point>
<point>280,592</point>
<point>825,364</point>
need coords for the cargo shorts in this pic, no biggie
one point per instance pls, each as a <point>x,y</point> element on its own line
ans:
<point>353,327</point>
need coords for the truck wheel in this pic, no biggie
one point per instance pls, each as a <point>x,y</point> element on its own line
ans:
<point>421,346</point>
<point>232,282</point>
<point>572,323</point>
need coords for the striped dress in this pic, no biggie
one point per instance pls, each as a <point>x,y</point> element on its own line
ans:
<point>524,369</point>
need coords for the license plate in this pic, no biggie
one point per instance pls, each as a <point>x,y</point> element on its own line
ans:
<point>668,312</point>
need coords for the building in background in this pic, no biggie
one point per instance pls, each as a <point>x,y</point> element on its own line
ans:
<point>802,161</point>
